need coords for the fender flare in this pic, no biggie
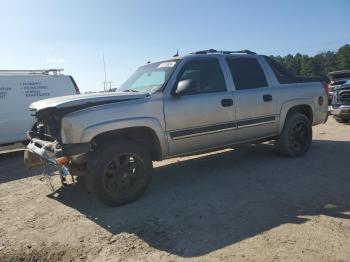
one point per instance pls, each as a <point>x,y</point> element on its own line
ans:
<point>91,131</point>
<point>292,103</point>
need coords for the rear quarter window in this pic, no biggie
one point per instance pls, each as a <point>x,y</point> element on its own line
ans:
<point>282,74</point>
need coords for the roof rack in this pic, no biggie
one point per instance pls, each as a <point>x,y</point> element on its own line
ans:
<point>211,51</point>
<point>33,72</point>
<point>203,52</point>
<point>240,52</point>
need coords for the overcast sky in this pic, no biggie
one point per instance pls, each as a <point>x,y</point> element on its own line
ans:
<point>73,35</point>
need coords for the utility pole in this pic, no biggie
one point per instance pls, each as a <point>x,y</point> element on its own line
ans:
<point>104,69</point>
<point>108,85</point>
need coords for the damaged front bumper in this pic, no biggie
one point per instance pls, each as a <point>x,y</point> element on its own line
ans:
<point>42,153</point>
<point>39,152</point>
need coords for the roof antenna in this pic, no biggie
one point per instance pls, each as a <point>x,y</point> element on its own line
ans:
<point>177,53</point>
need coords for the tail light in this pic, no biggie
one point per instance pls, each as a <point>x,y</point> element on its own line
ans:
<point>75,85</point>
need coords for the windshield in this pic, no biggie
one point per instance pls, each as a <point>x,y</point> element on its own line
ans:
<point>149,78</point>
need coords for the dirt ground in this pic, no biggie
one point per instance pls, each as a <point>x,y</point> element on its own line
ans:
<point>234,205</point>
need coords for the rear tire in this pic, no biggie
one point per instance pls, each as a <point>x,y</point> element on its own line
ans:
<point>119,173</point>
<point>296,137</point>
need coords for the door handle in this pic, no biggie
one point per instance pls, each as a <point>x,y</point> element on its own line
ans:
<point>267,98</point>
<point>226,102</point>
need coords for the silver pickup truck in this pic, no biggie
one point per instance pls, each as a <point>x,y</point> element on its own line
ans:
<point>200,102</point>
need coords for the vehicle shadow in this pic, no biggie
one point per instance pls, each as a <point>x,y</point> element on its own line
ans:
<point>197,206</point>
<point>12,167</point>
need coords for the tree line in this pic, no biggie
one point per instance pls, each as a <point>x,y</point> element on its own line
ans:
<point>318,65</point>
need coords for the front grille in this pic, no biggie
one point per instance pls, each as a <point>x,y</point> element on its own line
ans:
<point>344,96</point>
<point>46,130</point>
<point>48,125</point>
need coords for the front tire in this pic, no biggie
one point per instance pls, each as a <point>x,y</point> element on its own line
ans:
<point>119,173</point>
<point>296,137</point>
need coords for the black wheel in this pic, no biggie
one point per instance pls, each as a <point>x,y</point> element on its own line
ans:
<point>296,137</point>
<point>119,173</point>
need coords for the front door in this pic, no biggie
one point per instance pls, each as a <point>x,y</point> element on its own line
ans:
<point>203,116</point>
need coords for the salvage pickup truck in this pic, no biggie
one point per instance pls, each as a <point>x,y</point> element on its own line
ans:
<point>200,102</point>
<point>340,86</point>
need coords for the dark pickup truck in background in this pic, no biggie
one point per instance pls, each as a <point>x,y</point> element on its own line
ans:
<point>339,91</point>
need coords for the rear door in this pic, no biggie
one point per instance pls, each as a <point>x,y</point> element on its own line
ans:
<point>203,117</point>
<point>255,100</point>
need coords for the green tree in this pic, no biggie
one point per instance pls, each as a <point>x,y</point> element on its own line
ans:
<point>307,67</point>
<point>343,57</point>
<point>318,65</point>
<point>292,64</point>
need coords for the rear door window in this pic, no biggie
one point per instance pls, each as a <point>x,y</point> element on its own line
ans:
<point>247,73</point>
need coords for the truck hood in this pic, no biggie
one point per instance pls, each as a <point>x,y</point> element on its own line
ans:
<point>85,100</point>
<point>339,85</point>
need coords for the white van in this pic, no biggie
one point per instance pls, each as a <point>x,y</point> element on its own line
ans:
<point>20,88</point>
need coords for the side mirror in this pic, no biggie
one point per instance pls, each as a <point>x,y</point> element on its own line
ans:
<point>183,86</point>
